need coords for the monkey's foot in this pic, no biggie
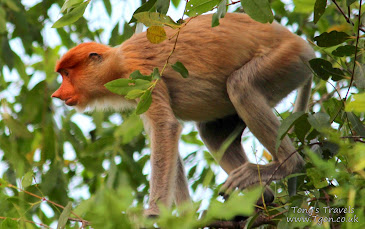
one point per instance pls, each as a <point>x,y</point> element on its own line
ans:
<point>252,174</point>
<point>151,213</point>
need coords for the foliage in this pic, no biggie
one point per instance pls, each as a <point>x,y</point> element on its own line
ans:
<point>59,172</point>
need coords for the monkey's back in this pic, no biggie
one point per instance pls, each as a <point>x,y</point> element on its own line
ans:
<point>210,54</point>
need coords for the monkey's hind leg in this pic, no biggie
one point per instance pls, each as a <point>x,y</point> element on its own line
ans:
<point>253,90</point>
<point>215,133</point>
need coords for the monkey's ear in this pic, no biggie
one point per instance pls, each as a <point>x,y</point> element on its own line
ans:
<point>95,56</point>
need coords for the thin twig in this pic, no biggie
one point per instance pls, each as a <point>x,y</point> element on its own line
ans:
<point>260,220</point>
<point>42,198</point>
<point>356,50</point>
<point>83,222</point>
<point>355,137</point>
<point>347,18</point>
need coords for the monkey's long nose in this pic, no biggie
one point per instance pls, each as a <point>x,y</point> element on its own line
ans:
<point>56,94</point>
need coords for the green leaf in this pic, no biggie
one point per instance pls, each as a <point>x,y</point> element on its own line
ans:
<point>301,128</point>
<point>8,223</point>
<point>359,76</point>
<point>72,16</point>
<point>3,183</point>
<point>12,5</point>
<point>134,94</point>
<point>7,54</point>
<point>286,125</point>
<point>251,220</point>
<point>143,8</point>
<point>356,124</point>
<point>115,38</point>
<point>77,133</point>
<point>180,68</point>
<point>326,168</point>
<point>331,39</point>
<point>346,50</point>
<point>69,4</point>
<point>162,6</point>
<point>319,8</point>
<point>358,105</point>
<point>175,3</point>
<point>130,128</point>
<point>349,2</point>
<point>192,172</point>
<point>330,147</point>
<point>317,178</point>
<point>324,69</point>
<point>27,180</point>
<point>197,7</point>
<point>108,7</point>
<point>20,68</point>
<point>237,205</point>
<point>155,19</point>
<point>304,6</point>
<point>319,121</point>
<point>333,107</point>
<point>258,10</point>
<point>2,20</point>
<point>221,12</point>
<point>156,74</point>
<point>138,75</point>
<point>156,34</point>
<point>16,127</point>
<point>84,206</point>
<point>144,103</point>
<point>279,8</point>
<point>62,221</point>
<point>123,86</point>
<point>192,138</point>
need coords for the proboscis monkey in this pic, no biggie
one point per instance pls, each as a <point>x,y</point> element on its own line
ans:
<point>238,71</point>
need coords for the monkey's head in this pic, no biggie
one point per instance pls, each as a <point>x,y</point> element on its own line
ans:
<point>84,70</point>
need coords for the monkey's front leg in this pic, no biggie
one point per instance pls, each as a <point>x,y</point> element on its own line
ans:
<point>181,184</point>
<point>164,131</point>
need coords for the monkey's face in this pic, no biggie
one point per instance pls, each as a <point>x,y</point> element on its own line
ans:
<point>81,87</point>
<point>66,91</point>
<point>83,76</point>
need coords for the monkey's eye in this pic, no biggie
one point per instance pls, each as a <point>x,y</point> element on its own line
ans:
<point>95,56</point>
<point>65,72</point>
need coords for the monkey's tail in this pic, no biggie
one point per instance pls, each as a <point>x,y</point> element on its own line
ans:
<point>301,102</point>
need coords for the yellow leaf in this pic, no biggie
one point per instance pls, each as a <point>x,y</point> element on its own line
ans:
<point>30,156</point>
<point>340,28</point>
<point>156,34</point>
<point>267,155</point>
<point>67,162</point>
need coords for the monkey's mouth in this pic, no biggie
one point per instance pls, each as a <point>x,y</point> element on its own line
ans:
<point>71,102</point>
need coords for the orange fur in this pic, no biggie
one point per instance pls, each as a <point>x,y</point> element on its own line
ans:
<point>77,56</point>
